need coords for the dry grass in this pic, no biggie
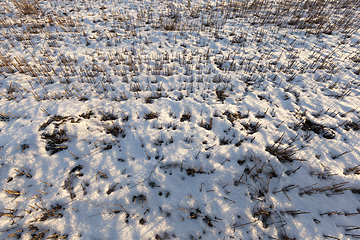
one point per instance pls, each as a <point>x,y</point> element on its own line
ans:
<point>47,73</point>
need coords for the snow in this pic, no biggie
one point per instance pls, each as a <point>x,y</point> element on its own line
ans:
<point>143,120</point>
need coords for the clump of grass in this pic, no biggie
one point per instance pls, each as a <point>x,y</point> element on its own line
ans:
<point>155,95</point>
<point>27,7</point>
<point>115,129</point>
<point>87,115</point>
<point>186,116</point>
<point>135,87</point>
<point>233,116</point>
<point>159,141</point>
<point>206,125</point>
<point>54,141</point>
<point>48,214</point>
<point>284,155</point>
<point>151,115</point>
<point>55,118</point>
<point>352,170</point>
<point>352,125</point>
<point>35,233</point>
<point>318,129</point>
<point>106,116</point>
<point>221,95</point>
<point>224,141</point>
<point>315,17</point>
<point>251,127</point>
<point>192,170</point>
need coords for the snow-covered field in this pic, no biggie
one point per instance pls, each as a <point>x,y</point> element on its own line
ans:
<point>219,119</point>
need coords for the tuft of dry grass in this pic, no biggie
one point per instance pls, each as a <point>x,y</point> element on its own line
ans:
<point>112,72</point>
<point>206,125</point>
<point>115,129</point>
<point>55,141</point>
<point>27,7</point>
<point>151,115</point>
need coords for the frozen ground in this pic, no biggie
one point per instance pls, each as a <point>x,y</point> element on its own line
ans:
<point>179,119</point>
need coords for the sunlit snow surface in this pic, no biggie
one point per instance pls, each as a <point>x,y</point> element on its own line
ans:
<point>177,119</point>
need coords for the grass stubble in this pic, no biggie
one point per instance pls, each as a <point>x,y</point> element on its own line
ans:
<point>111,72</point>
